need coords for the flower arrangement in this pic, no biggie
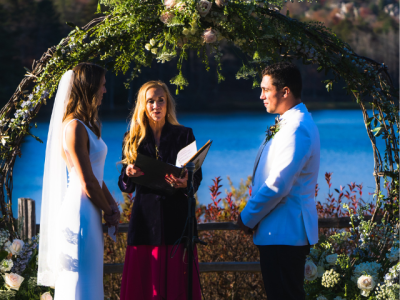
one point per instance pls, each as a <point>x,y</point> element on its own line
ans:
<point>368,269</point>
<point>18,269</point>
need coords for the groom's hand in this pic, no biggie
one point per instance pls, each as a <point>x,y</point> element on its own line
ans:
<point>246,230</point>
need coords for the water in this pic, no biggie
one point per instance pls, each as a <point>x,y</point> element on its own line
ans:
<point>345,150</point>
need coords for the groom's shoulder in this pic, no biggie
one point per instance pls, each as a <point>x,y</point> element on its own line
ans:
<point>301,123</point>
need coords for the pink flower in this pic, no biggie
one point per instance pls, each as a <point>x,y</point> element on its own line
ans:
<point>166,17</point>
<point>13,281</point>
<point>221,3</point>
<point>210,36</point>
<point>170,3</point>
<point>182,41</point>
<point>203,7</point>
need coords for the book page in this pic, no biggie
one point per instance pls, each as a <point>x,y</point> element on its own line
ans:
<point>185,154</point>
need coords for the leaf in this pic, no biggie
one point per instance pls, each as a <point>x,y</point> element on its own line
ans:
<point>369,120</point>
<point>98,8</point>
<point>71,24</point>
<point>378,131</point>
<point>3,255</point>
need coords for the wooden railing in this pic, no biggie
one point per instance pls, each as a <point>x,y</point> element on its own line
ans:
<point>232,266</point>
<point>26,214</point>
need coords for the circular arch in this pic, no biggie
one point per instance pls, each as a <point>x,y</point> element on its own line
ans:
<point>131,34</point>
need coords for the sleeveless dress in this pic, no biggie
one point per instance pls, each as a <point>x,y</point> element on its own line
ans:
<point>80,237</point>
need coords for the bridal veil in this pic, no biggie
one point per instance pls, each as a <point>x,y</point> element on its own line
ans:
<point>54,187</point>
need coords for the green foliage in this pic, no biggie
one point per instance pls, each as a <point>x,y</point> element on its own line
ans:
<point>368,248</point>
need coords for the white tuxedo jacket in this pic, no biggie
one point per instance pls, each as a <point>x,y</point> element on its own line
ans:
<point>282,202</point>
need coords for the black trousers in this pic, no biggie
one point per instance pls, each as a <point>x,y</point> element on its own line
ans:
<point>282,269</point>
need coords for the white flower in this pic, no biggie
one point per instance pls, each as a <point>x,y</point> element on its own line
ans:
<point>310,271</point>
<point>154,50</point>
<point>13,281</point>
<point>203,7</point>
<point>46,296</point>
<point>3,140</point>
<point>393,255</point>
<point>366,284</point>
<point>331,259</point>
<point>16,247</point>
<point>6,265</point>
<point>321,297</point>
<point>153,42</point>
<point>193,30</point>
<point>147,47</point>
<point>185,31</point>
<point>369,268</point>
<point>170,3</point>
<point>26,103</point>
<point>210,36</point>
<point>320,271</point>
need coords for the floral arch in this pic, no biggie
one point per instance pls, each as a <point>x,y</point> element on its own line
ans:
<point>132,33</point>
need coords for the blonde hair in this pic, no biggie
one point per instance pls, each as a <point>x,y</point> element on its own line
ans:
<point>84,95</point>
<point>140,120</point>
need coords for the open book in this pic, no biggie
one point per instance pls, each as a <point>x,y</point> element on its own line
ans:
<point>155,170</point>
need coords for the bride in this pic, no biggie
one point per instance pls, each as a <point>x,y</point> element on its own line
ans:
<point>71,236</point>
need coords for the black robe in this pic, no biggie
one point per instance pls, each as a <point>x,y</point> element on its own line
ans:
<point>157,218</point>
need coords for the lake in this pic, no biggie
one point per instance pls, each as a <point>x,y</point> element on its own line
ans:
<point>345,151</point>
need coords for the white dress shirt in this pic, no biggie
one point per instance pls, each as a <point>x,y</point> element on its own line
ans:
<point>282,202</point>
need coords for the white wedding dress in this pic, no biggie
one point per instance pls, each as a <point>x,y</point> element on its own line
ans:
<point>80,234</point>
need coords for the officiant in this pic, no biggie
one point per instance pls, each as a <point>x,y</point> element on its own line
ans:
<point>158,218</point>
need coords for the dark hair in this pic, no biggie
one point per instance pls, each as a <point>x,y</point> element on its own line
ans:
<point>285,74</point>
<point>83,100</point>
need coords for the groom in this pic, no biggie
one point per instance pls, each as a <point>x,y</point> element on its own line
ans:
<point>281,212</point>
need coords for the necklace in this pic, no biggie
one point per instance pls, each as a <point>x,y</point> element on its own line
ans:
<point>157,153</point>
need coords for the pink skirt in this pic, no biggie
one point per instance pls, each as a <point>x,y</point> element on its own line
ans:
<point>151,274</point>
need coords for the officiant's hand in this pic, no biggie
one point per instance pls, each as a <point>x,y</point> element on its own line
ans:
<point>133,171</point>
<point>246,230</point>
<point>175,182</point>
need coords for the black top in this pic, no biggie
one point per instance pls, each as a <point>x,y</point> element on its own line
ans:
<point>158,218</point>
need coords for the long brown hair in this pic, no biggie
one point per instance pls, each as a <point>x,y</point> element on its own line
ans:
<point>140,120</point>
<point>84,95</point>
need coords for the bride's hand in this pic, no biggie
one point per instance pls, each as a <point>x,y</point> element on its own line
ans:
<point>114,218</point>
<point>133,171</point>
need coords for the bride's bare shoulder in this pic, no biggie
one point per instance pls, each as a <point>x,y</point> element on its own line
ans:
<point>74,128</point>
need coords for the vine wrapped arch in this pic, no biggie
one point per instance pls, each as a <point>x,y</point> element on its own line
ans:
<point>132,33</point>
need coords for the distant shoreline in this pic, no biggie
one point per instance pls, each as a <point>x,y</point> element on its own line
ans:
<point>106,113</point>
